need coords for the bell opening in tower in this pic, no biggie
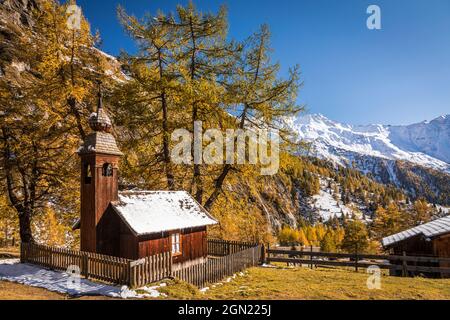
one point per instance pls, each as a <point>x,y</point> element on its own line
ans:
<point>87,173</point>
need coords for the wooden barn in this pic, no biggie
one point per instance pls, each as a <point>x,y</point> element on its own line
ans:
<point>431,239</point>
<point>135,224</point>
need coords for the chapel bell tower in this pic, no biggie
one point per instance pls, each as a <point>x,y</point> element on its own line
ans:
<point>99,175</point>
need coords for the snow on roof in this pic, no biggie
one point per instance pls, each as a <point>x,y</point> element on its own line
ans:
<point>148,212</point>
<point>429,230</point>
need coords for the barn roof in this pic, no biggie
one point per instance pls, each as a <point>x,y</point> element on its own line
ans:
<point>430,230</point>
<point>147,212</point>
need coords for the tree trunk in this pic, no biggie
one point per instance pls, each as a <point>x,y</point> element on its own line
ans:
<point>73,107</point>
<point>218,187</point>
<point>166,147</point>
<point>26,235</point>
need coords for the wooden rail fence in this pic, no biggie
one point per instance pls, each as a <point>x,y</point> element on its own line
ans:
<point>147,270</point>
<point>5,243</point>
<point>216,269</point>
<point>403,265</point>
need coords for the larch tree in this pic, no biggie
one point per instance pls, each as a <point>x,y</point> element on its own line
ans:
<point>67,61</point>
<point>152,87</point>
<point>206,59</point>
<point>356,237</point>
<point>389,221</point>
<point>43,107</point>
<point>261,97</point>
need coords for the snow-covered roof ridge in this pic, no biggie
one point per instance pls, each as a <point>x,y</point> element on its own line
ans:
<point>431,229</point>
<point>147,212</point>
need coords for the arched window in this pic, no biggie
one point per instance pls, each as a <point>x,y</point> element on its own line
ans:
<point>87,173</point>
<point>107,170</point>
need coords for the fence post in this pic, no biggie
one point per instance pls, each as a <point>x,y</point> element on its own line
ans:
<point>356,258</point>
<point>130,272</point>
<point>22,253</point>
<point>169,258</point>
<point>404,266</point>
<point>311,257</point>
<point>263,253</point>
<point>85,265</point>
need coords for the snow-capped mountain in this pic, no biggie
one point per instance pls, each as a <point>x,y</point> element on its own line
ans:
<point>426,144</point>
<point>415,158</point>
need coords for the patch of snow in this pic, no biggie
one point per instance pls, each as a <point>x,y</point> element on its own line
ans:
<point>148,292</point>
<point>11,270</point>
<point>9,261</point>
<point>445,210</point>
<point>265,265</point>
<point>326,206</point>
<point>20,66</point>
<point>204,290</point>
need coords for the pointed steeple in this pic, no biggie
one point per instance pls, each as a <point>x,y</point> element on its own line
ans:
<point>101,140</point>
<point>100,120</point>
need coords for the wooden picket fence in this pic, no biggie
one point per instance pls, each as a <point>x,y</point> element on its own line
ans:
<point>147,270</point>
<point>220,248</point>
<point>150,269</point>
<point>90,265</point>
<point>216,269</point>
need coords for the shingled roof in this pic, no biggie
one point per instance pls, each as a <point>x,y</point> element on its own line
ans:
<point>147,212</point>
<point>429,230</point>
<point>101,140</point>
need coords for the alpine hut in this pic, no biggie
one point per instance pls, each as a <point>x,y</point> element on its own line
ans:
<point>431,239</point>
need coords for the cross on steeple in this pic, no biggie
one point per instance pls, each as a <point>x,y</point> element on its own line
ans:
<point>100,120</point>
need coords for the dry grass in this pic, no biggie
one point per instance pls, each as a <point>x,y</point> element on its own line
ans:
<point>319,284</point>
<point>281,284</point>
<point>10,252</point>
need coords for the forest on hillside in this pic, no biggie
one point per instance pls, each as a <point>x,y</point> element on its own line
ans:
<point>186,70</point>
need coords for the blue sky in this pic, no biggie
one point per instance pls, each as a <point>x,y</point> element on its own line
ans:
<point>397,75</point>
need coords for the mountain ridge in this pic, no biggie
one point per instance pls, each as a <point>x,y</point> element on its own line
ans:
<point>415,158</point>
<point>424,143</point>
